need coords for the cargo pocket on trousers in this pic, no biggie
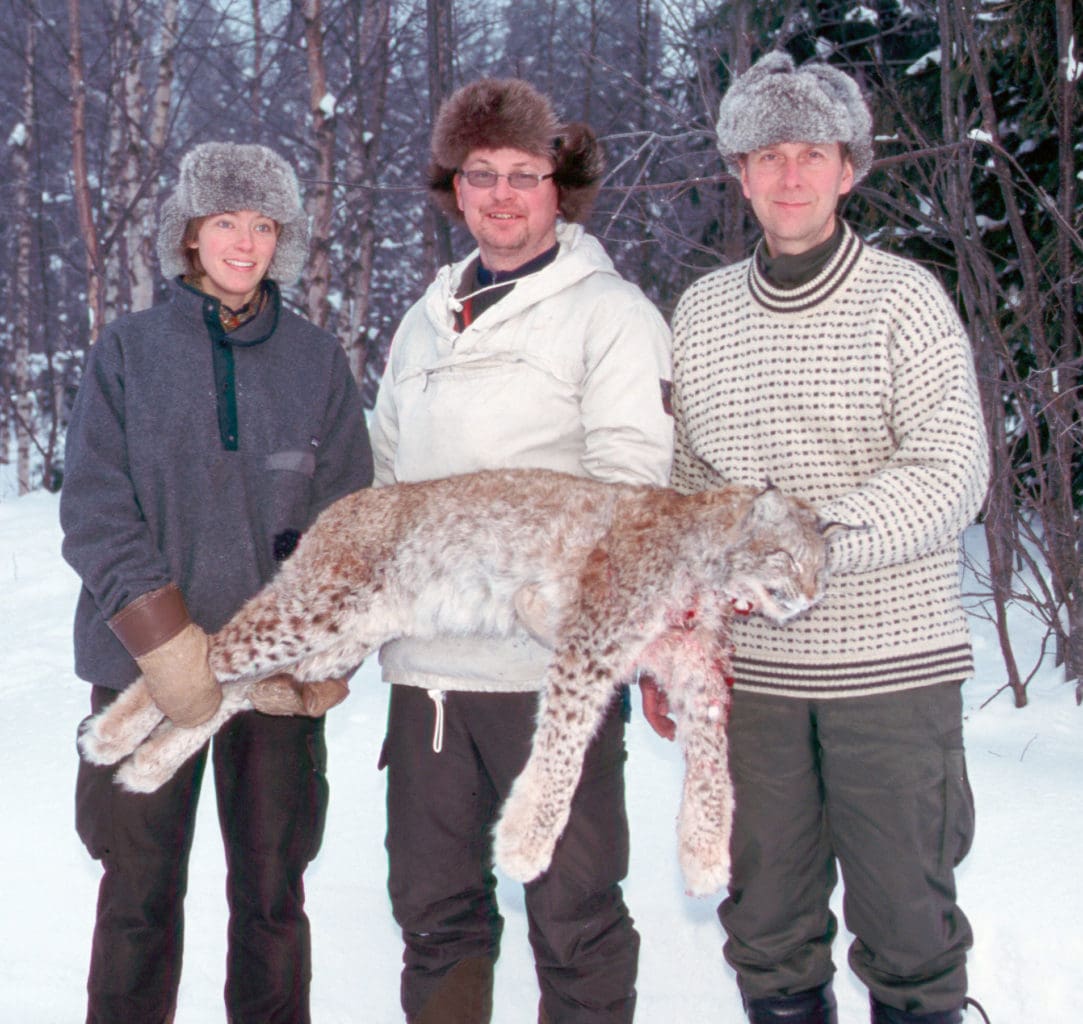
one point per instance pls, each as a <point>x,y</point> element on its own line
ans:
<point>321,789</point>
<point>93,808</point>
<point>959,817</point>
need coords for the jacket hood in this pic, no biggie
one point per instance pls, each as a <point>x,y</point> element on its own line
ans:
<point>580,256</point>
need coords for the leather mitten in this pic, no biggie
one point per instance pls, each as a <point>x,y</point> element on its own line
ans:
<point>283,695</point>
<point>173,654</point>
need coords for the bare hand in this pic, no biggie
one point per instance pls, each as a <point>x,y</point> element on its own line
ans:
<point>656,707</point>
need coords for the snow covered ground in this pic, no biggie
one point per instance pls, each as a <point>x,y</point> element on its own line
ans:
<point>1020,885</point>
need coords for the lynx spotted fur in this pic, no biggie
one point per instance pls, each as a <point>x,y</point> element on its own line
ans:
<point>613,577</point>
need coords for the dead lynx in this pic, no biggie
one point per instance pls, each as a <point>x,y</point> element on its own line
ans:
<point>613,577</point>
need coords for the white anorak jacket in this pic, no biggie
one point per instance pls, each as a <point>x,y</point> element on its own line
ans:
<point>566,372</point>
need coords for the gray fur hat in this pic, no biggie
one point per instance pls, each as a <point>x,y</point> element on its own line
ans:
<point>498,113</point>
<point>775,101</point>
<point>216,177</point>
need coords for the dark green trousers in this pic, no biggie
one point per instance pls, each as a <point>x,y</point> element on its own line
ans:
<point>877,786</point>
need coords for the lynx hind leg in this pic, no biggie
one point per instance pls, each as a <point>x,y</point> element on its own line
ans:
<point>117,730</point>
<point>541,608</point>
<point>156,760</point>
<point>579,690</point>
<point>536,615</point>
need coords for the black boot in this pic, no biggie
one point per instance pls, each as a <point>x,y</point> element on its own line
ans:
<point>813,1006</point>
<point>883,1014</point>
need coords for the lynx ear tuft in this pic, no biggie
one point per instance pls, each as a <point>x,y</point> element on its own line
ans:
<point>770,505</point>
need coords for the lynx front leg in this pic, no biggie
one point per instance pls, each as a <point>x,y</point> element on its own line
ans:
<point>116,731</point>
<point>119,729</point>
<point>578,692</point>
<point>156,760</point>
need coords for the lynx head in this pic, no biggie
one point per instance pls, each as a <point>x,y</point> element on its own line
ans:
<point>776,559</point>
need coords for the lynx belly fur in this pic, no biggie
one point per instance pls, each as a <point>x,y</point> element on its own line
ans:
<point>615,578</point>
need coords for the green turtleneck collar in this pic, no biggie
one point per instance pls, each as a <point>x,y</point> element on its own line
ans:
<point>788,270</point>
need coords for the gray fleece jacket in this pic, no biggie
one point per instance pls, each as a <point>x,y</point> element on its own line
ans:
<point>191,454</point>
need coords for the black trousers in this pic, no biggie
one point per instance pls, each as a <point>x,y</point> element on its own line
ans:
<point>271,787</point>
<point>441,808</point>
<point>878,786</point>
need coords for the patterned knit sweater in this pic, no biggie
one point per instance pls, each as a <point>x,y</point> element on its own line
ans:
<point>857,392</point>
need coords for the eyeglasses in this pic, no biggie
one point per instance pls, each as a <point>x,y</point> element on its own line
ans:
<point>519,180</point>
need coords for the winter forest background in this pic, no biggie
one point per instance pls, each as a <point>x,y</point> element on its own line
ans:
<point>979,175</point>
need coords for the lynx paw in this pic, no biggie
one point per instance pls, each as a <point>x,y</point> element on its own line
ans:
<point>114,733</point>
<point>704,845</point>
<point>156,760</point>
<point>706,869</point>
<point>525,837</point>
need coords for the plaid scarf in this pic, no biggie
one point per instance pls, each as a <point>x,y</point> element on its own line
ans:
<point>233,318</point>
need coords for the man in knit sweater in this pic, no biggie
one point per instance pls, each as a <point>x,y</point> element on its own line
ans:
<point>843,375</point>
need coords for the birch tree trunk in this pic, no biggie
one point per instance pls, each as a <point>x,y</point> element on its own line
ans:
<point>255,96</point>
<point>593,33</point>
<point>22,405</point>
<point>141,241</point>
<point>119,202</point>
<point>372,26</point>
<point>317,277</point>
<point>95,295</point>
<point>733,205</point>
<point>438,236</point>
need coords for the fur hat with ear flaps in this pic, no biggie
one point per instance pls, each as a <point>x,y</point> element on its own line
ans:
<point>499,113</point>
<point>220,177</point>
<point>775,101</point>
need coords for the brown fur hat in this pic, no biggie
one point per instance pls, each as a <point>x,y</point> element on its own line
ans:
<point>498,113</point>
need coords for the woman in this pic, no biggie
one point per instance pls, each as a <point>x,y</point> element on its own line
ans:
<point>208,433</point>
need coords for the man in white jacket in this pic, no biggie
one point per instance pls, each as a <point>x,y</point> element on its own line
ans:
<point>531,352</point>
